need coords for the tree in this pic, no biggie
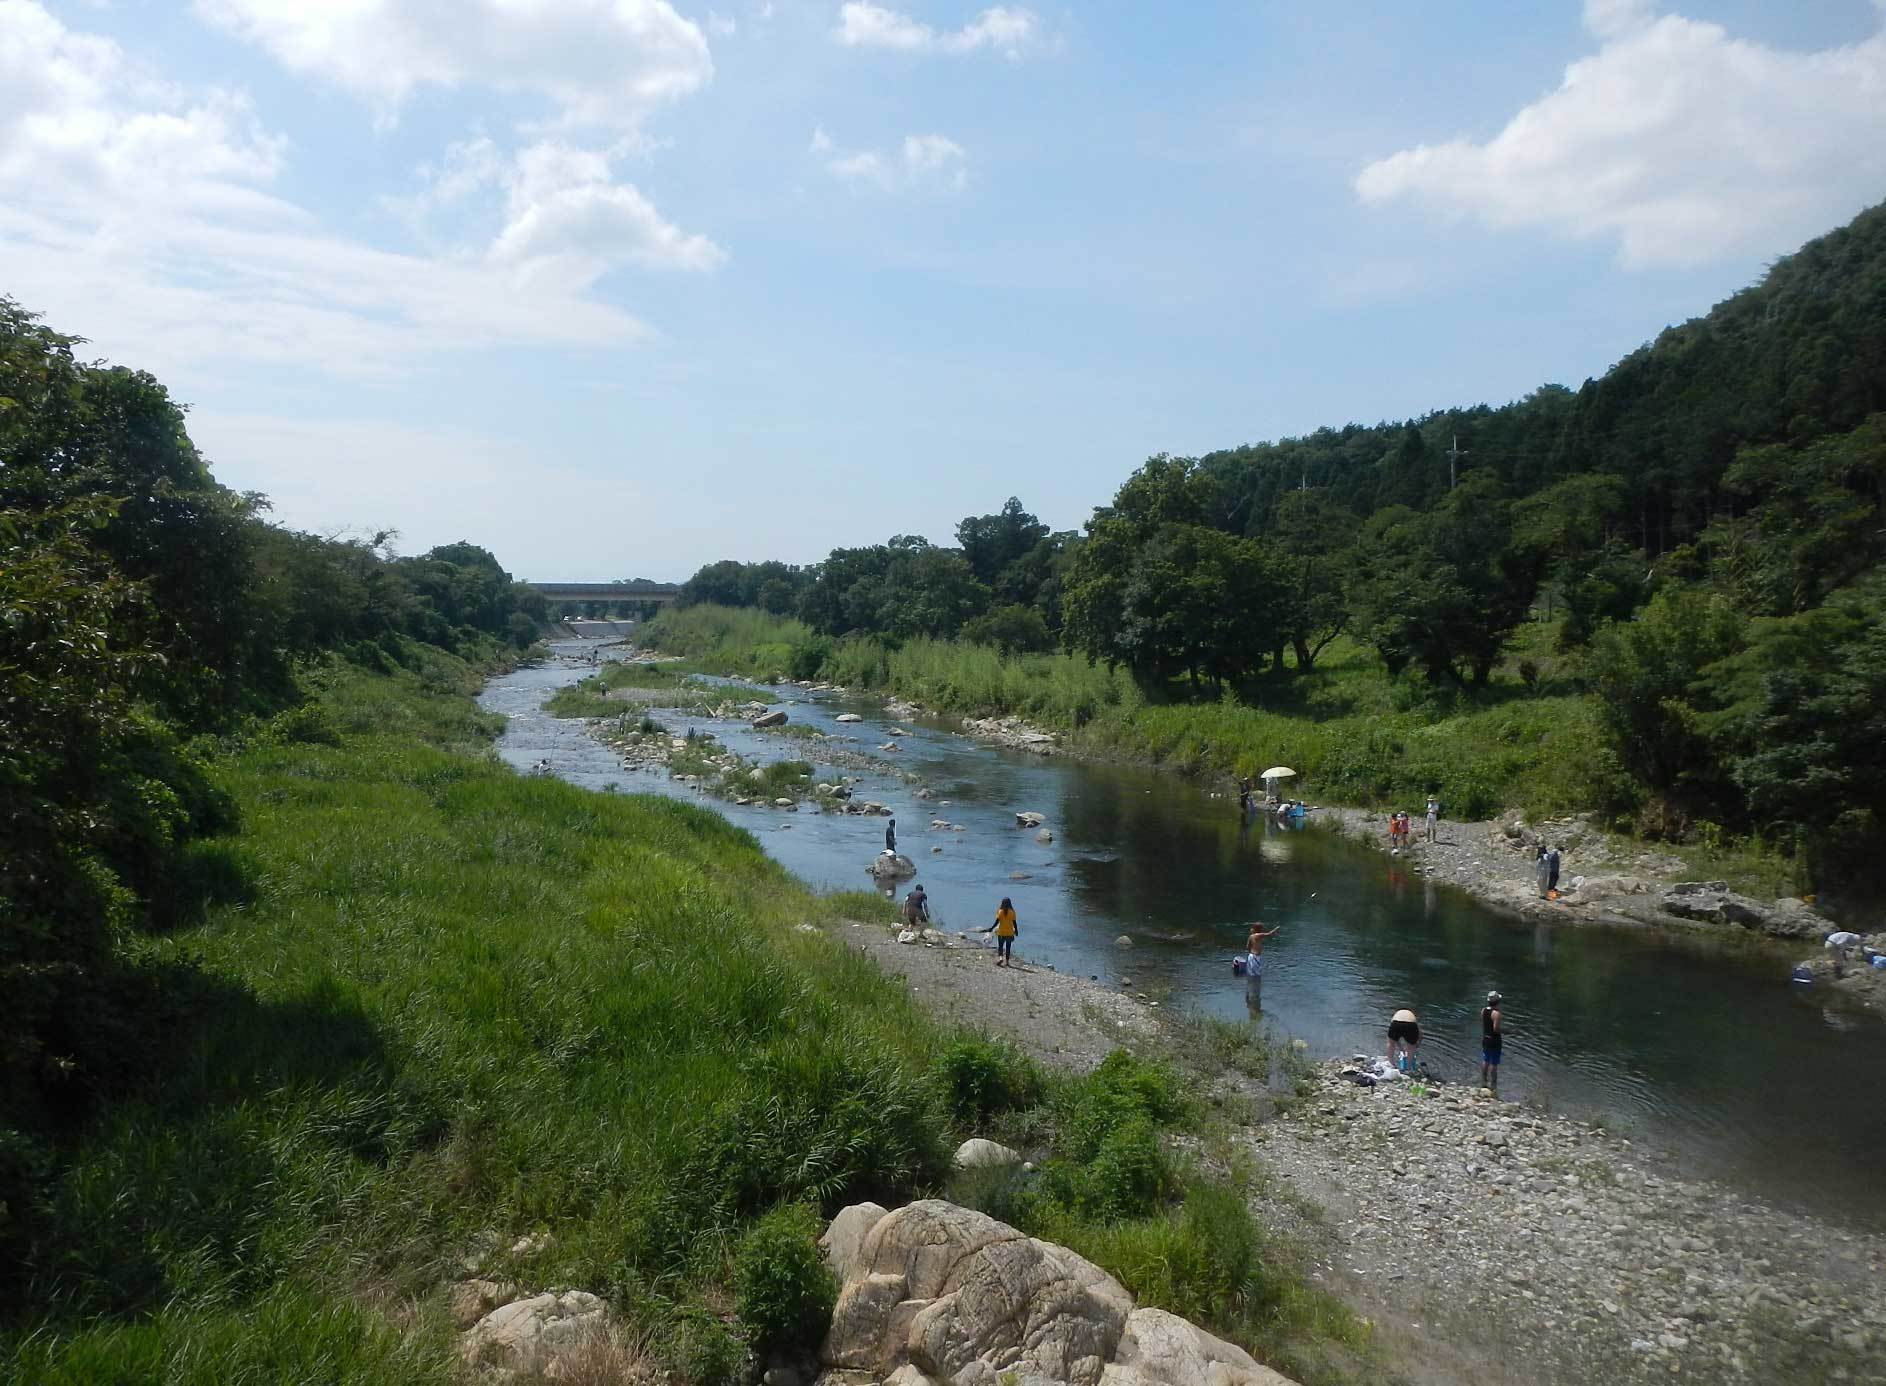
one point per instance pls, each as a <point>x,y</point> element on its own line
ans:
<point>1189,599</point>
<point>1012,629</point>
<point>991,543</point>
<point>1447,588</point>
<point>929,591</point>
<point>1647,674</point>
<point>1311,540</point>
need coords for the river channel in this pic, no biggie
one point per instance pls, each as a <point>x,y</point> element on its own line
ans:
<point>1679,1041</point>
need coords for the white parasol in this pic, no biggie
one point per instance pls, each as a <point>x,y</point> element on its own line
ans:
<point>1277,772</point>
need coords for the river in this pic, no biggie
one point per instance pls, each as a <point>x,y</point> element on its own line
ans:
<point>1681,1041</point>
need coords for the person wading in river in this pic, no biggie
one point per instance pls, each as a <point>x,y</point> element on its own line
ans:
<point>1004,930</point>
<point>1492,1037</point>
<point>1404,1034</point>
<point>1254,954</point>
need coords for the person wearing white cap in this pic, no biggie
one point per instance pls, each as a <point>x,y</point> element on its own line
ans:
<point>1491,1041</point>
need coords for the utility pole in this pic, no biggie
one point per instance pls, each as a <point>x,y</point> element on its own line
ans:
<point>1454,454</point>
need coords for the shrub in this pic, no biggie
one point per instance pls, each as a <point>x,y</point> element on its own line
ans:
<point>782,1290</point>
<point>1118,1090</point>
<point>981,1078</point>
<point>307,725</point>
<point>1128,1175</point>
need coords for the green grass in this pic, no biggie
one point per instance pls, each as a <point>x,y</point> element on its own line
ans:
<point>452,1006</point>
<point>1355,735</point>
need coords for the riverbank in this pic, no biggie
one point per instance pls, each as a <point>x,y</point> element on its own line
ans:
<point>1486,1241</point>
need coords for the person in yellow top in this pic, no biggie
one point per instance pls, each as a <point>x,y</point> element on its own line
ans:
<point>1004,930</point>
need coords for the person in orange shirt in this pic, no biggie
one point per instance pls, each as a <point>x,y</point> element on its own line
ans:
<point>1004,930</point>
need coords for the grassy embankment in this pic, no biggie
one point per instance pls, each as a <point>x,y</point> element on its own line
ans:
<point>441,1006</point>
<point>1355,735</point>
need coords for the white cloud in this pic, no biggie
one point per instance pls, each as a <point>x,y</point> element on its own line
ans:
<point>568,223</point>
<point>722,26</point>
<point>141,214</point>
<point>598,62</point>
<point>921,163</point>
<point>565,221</point>
<point>1003,29</point>
<point>1679,141</point>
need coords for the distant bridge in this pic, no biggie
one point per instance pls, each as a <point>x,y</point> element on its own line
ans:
<point>606,596</point>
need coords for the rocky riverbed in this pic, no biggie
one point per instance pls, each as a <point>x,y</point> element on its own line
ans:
<point>1561,1251</point>
<point>1487,1241</point>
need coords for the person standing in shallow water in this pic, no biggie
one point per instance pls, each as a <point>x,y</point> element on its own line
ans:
<point>1004,930</point>
<point>1254,955</point>
<point>1492,1039</point>
<point>1404,1034</point>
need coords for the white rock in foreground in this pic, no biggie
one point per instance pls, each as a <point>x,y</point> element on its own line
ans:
<point>935,1294</point>
<point>524,1336</point>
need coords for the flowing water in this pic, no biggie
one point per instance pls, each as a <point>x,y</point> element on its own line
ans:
<point>1686,1043</point>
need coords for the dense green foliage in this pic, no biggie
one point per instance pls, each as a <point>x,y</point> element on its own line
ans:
<point>1730,474</point>
<point>146,612</point>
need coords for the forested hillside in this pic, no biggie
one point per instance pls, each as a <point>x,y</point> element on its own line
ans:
<point>1698,530</point>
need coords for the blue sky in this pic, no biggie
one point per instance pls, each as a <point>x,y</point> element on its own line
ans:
<point>617,287</point>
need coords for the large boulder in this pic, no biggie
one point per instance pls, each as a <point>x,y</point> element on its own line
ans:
<point>976,1152</point>
<point>891,866</point>
<point>775,718</point>
<point>939,1295</point>
<point>525,1336</point>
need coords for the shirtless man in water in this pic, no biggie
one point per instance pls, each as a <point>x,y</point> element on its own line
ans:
<point>1254,951</point>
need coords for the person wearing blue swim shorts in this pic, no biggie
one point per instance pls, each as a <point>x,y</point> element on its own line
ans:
<point>1492,1038</point>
